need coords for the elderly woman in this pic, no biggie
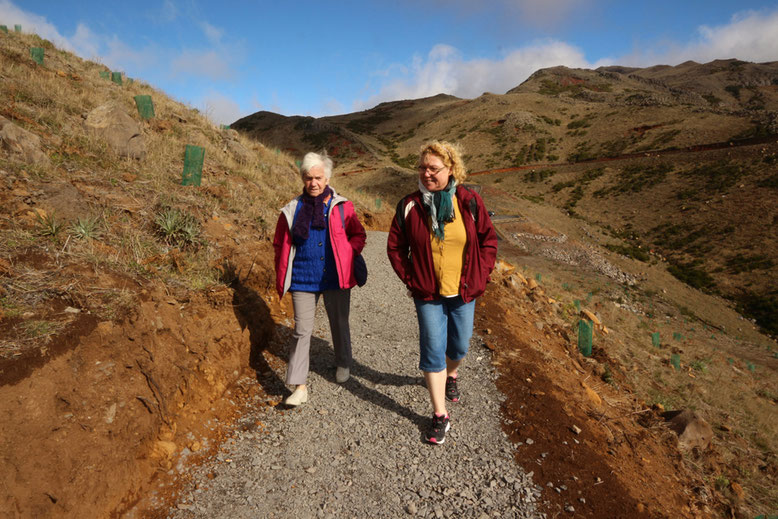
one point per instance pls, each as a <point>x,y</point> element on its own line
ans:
<point>317,237</point>
<point>443,247</point>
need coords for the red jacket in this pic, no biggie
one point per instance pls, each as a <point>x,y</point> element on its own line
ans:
<point>410,250</point>
<point>346,242</point>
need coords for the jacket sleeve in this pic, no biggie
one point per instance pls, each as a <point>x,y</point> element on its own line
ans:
<point>354,230</point>
<point>487,238</point>
<point>398,248</point>
<point>282,243</point>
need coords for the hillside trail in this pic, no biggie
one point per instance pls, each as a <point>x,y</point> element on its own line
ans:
<point>356,449</point>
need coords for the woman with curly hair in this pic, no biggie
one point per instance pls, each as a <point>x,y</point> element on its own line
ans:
<point>443,246</point>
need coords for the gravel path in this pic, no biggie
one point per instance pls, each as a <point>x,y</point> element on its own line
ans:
<point>356,450</point>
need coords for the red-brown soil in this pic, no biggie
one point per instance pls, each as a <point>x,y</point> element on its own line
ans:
<point>623,463</point>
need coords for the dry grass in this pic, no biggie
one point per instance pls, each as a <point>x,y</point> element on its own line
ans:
<point>108,224</point>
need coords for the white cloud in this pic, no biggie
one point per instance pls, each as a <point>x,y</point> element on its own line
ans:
<point>220,108</point>
<point>31,23</point>
<point>84,42</point>
<point>331,106</point>
<point>209,64</point>
<point>749,36</point>
<point>444,71</point>
<point>214,34</point>
<point>168,12</point>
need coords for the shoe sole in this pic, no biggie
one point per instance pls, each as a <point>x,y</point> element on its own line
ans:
<point>295,404</point>
<point>441,442</point>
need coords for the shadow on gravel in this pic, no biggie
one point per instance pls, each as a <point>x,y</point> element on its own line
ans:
<point>323,363</point>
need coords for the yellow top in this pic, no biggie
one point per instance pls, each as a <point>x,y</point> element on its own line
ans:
<point>448,254</point>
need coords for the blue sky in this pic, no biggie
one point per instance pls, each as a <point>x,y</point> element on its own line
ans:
<point>230,59</point>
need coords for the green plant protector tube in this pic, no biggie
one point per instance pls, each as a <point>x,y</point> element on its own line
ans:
<point>225,126</point>
<point>17,28</point>
<point>194,156</point>
<point>104,74</point>
<point>297,163</point>
<point>675,360</point>
<point>145,106</point>
<point>585,329</point>
<point>378,203</point>
<point>4,28</point>
<point>538,277</point>
<point>655,340</point>
<point>577,305</point>
<point>116,77</point>
<point>37,55</point>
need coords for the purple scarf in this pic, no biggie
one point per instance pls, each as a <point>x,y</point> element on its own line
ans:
<point>311,214</point>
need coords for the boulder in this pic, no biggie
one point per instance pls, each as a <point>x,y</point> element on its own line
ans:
<point>21,143</point>
<point>692,430</point>
<point>117,128</point>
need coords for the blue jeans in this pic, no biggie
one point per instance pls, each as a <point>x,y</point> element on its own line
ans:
<point>445,328</point>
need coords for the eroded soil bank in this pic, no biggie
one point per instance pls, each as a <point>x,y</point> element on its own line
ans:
<point>116,408</point>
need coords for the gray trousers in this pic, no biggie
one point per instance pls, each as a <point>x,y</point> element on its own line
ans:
<point>337,303</point>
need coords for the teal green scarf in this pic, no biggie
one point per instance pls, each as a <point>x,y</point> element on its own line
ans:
<point>440,206</point>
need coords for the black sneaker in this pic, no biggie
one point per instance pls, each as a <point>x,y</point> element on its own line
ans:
<point>436,434</point>
<point>452,392</point>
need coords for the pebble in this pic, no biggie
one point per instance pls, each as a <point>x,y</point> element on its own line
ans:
<point>356,448</point>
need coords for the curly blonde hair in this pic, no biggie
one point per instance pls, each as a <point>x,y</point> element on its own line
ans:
<point>449,153</point>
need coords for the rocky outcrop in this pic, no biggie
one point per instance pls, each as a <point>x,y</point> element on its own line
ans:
<point>692,430</point>
<point>21,144</point>
<point>233,146</point>
<point>122,133</point>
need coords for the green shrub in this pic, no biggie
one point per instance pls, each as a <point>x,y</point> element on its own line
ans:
<point>717,177</point>
<point>692,274</point>
<point>538,176</point>
<point>740,263</point>
<point>86,228</point>
<point>559,186</point>
<point>584,122</point>
<point>49,225</point>
<point>177,228</point>
<point>762,308</point>
<point>583,151</point>
<point>733,90</point>
<point>576,195</point>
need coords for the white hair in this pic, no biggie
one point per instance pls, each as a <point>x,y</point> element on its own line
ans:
<point>311,160</point>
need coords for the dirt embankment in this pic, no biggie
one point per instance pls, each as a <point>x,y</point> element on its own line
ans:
<point>89,424</point>
<point>89,432</point>
<point>589,444</point>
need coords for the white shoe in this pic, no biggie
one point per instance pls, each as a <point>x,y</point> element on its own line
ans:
<point>341,375</point>
<point>298,396</point>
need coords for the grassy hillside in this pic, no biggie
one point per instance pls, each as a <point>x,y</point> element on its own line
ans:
<point>630,150</point>
<point>648,196</point>
<point>136,311</point>
<point>125,307</point>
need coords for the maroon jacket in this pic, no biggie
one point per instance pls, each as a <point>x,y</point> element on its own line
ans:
<point>410,251</point>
